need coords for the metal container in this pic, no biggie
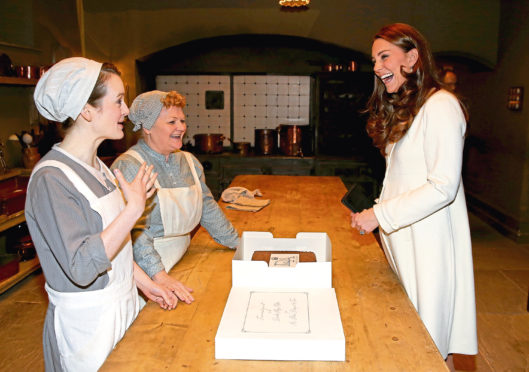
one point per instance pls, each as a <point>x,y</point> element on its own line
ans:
<point>265,141</point>
<point>241,148</point>
<point>6,68</point>
<point>26,249</point>
<point>291,140</point>
<point>28,72</point>
<point>209,143</point>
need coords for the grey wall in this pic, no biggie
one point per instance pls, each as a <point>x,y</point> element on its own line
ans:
<point>497,177</point>
<point>125,30</point>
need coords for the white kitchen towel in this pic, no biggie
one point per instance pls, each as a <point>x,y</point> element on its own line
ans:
<point>242,199</point>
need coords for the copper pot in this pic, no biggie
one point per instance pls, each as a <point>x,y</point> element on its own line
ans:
<point>265,141</point>
<point>241,148</point>
<point>28,72</point>
<point>30,157</point>
<point>25,249</point>
<point>209,143</point>
<point>290,140</point>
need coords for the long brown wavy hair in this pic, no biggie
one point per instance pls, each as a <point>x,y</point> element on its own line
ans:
<point>391,114</point>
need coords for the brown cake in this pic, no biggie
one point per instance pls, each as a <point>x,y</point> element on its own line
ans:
<point>265,255</point>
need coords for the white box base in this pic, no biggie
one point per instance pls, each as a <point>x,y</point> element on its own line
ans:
<point>257,274</point>
<point>281,324</point>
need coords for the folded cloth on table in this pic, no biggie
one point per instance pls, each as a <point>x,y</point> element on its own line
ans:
<point>242,199</point>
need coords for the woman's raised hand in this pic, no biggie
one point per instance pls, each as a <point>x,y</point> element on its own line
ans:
<point>141,188</point>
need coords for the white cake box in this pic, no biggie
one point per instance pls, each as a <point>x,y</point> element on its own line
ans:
<point>281,313</point>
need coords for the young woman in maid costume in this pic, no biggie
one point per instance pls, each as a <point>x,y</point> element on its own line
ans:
<point>422,214</point>
<point>80,224</point>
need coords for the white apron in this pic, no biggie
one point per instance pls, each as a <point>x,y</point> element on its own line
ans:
<point>181,211</point>
<point>89,324</point>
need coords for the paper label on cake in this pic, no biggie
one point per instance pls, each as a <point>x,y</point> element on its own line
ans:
<point>277,312</point>
<point>283,260</point>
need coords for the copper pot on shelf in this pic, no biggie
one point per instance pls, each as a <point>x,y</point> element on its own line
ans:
<point>209,143</point>
<point>241,148</point>
<point>25,248</point>
<point>30,157</point>
<point>265,141</point>
<point>291,139</point>
<point>28,72</point>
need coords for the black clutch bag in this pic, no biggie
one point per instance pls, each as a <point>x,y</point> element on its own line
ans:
<point>356,200</point>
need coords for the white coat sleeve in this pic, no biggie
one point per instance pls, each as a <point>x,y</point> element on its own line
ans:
<point>443,130</point>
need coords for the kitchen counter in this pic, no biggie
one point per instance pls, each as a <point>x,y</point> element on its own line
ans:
<point>382,329</point>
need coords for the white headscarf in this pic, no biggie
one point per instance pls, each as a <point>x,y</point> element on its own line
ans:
<point>65,88</point>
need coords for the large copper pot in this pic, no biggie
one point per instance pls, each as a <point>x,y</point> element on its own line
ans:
<point>291,140</point>
<point>265,141</point>
<point>209,143</point>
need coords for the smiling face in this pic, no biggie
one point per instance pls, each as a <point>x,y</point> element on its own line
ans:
<point>388,59</point>
<point>110,110</point>
<point>166,135</point>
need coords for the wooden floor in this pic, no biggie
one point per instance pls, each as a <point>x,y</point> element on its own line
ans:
<point>502,282</point>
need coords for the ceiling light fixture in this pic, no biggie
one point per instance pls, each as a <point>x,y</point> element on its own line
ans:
<point>294,3</point>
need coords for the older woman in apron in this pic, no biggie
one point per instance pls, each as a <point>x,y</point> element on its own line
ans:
<point>79,222</point>
<point>182,200</point>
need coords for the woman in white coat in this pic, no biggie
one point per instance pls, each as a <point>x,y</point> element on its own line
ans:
<point>182,201</point>
<point>79,222</point>
<point>421,211</point>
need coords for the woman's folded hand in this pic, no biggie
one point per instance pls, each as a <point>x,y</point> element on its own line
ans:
<point>162,296</point>
<point>175,286</point>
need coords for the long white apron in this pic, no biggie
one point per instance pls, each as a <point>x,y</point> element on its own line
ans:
<point>89,324</point>
<point>181,211</point>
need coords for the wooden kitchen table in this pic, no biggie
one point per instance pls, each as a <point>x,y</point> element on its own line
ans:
<point>382,329</point>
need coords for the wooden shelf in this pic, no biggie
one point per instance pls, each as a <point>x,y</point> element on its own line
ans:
<point>7,80</point>
<point>20,46</point>
<point>10,174</point>
<point>12,220</point>
<point>7,222</point>
<point>26,268</point>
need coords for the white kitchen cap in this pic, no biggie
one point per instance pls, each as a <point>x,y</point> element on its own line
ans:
<point>64,89</point>
<point>146,108</point>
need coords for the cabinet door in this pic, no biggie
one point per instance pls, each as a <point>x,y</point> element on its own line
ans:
<point>229,171</point>
<point>212,173</point>
<point>350,172</point>
<point>340,98</point>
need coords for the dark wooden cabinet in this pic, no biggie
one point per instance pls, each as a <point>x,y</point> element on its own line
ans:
<point>339,100</point>
<point>350,171</point>
<point>221,169</point>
